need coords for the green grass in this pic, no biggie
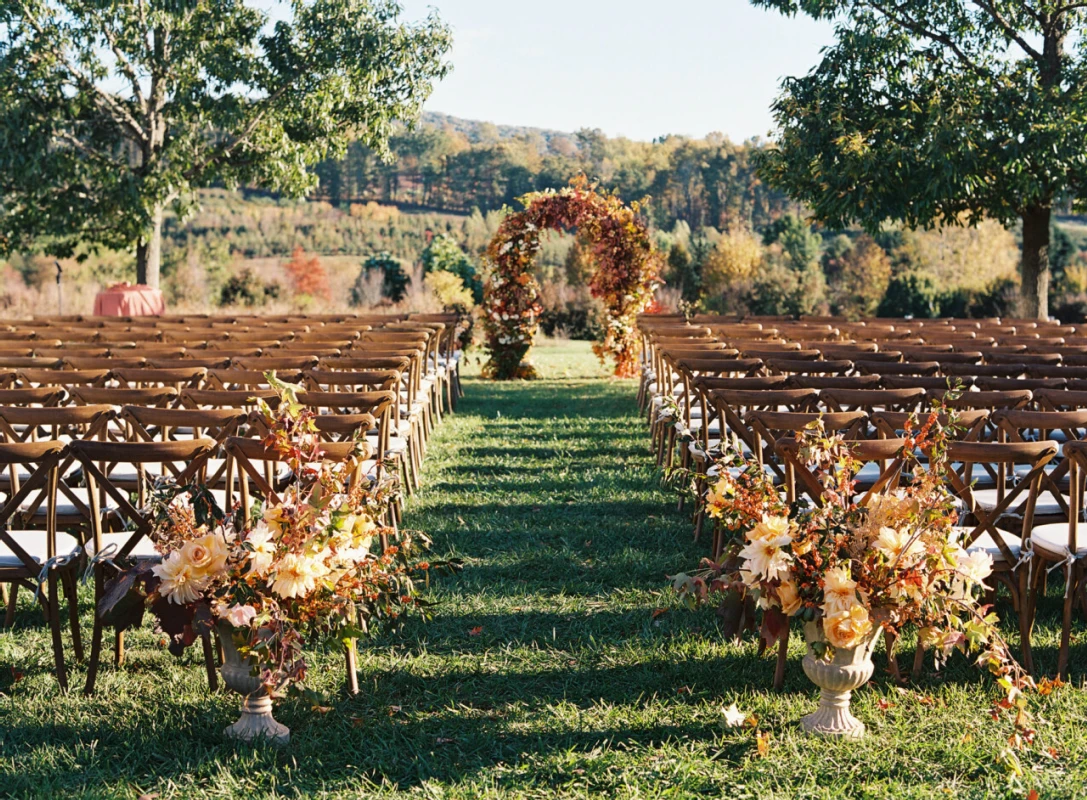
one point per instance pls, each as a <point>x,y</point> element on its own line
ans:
<point>544,672</point>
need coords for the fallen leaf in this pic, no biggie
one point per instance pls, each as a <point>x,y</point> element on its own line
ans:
<point>683,690</point>
<point>16,675</point>
<point>394,710</point>
<point>657,612</point>
<point>152,796</point>
<point>358,722</point>
<point>762,742</point>
<point>884,704</point>
<point>734,718</point>
<point>1032,794</point>
<point>476,631</point>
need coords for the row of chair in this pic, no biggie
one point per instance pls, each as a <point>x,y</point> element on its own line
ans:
<point>1015,468</point>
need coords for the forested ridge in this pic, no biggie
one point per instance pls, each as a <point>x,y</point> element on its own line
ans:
<point>455,165</point>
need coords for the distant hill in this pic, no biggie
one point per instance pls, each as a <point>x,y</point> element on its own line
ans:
<point>478,131</point>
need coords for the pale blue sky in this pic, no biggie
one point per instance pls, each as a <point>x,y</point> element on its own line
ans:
<point>640,68</point>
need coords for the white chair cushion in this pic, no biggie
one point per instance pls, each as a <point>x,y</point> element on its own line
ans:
<point>988,544</point>
<point>1052,540</point>
<point>34,543</point>
<point>143,549</point>
<point>1046,505</point>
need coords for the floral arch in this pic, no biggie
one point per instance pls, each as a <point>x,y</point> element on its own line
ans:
<point>624,279</point>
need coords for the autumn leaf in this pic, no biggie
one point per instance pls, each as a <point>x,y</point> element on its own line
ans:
<point>476,631</point>
<point>1032,794</point>
<point>762,742</point>
<point>658,612</point>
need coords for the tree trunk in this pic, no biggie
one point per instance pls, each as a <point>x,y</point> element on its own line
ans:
<point>1034,268</point>
<point>149,252</point>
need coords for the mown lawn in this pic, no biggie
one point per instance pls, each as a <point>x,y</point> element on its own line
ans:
<point>545,672</point>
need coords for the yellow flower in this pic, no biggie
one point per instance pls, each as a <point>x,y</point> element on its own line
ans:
<point>848,628</point>
<point>766,559</point>
<point>264,550</point>
<point>839,590</point>
<point>718,497</point>
<point>276,518</point>
<point>896,545</point>
<point>207,555</point>
<point>179,584</point>
<point>297,575</point>
<point>790,599</point>
<point>769,528</point>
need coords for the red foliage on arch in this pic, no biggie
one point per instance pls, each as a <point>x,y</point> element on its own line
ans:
<point>627,266</point>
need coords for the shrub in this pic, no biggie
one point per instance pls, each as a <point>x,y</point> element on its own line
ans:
<point>394,281</point>
<point>246,289</point>
<point>444,255</point>
<point>910,295</point>
<point>307,275</point>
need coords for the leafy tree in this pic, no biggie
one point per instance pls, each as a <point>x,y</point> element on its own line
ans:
<point>939,111</point>
<point>111,113</point>
<point>912,294</point>
<point>443,254</point>
<point>796,238</point>
<point>307,275</point>
<point>394,281</point>
<point>863,279</point>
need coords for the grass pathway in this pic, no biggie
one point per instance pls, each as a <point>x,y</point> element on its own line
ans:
<point>545,671</point>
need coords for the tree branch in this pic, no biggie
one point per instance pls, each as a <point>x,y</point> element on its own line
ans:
<point>122,60</point>
<point>119,113</point>
<point>896,15</point>
<point>1009,31</point>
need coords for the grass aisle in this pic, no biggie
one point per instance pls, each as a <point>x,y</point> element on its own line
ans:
<point>545,672</point>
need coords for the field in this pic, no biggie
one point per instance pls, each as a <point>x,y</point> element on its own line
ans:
<point>557,664</point>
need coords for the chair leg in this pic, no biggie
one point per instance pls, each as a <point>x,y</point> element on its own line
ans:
<point>209,662</point>
<point>1075,575</point>
<point>1024,622</point>
<point>118,648</point>
<point>351,658</point>
<point>890,640</point>
<point>13,598</point>
<point>783,657</point>
<point>71,591</point>
<point>53,601</point>
<point>918,660</point>
<point>96,638</point>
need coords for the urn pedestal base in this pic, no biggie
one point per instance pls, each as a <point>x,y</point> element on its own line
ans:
<point>256,722</point>
<point>837,677</point>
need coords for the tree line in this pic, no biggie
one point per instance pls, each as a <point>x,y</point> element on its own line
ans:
<point>457,166</point>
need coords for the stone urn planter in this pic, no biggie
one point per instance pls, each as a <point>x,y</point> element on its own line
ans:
<point>837,677</point>
<point>256,721</point>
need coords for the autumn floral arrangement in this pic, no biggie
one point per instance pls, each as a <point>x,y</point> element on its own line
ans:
<point>627,267</point>
<point>854,564</point>
<point>321,562</point>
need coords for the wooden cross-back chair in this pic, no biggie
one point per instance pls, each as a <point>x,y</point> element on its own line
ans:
<point>41,396</point>
<point>886,455</point>
<point>27,378</point>
<point>872,400</point>
<point>1051,504</point>
<point>234,379</point>
<point>130,523</point>
<point>33,554</point>
<point>772,426</point>
<point>823,382</point>
<point>227,398</point>
<point>72,504</point>
<point>1007,549</point>
<point>181,424</point>
<point>244,452</point>
<point>386,442</point>
<point>189,376</point>
<point>1063,546</point>
<point>292,363</point>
